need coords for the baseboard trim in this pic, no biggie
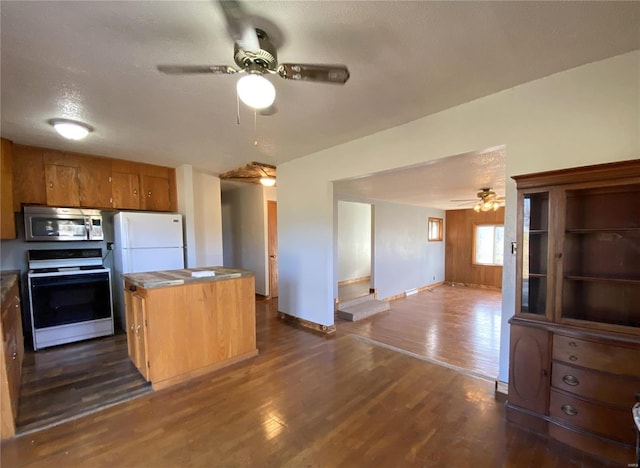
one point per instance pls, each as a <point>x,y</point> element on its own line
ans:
<point>300,322</point>
<point>502,388</point>
<point>354,280</point>
<point>472,285</point>
<point>419,289</point>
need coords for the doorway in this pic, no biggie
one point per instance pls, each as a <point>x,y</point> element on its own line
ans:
<point>272,236</point>
<point>355,253</point>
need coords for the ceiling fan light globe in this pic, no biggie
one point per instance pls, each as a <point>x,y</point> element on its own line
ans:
<point>268,181</point>
<point>256,91</point>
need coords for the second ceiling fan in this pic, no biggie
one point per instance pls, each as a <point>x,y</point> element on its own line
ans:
<point>256,56</point>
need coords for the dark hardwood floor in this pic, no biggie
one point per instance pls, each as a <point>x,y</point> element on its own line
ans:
<point>306,400</point>
<point>455,326</point>
<point>63,382</point>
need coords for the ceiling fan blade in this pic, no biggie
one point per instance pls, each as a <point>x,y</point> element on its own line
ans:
<point>196,69</point>
<point>308,72</point>
<point>239,26</point>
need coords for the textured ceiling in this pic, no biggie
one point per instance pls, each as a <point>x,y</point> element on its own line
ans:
<point>449,184</point>
<point>95,62</point>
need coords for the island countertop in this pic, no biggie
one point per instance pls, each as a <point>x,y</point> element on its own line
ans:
<point>159,279</point>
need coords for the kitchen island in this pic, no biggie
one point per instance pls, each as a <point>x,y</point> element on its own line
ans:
<point>185,323</point>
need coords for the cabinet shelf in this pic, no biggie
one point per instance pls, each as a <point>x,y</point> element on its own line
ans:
<point>537,275</point>
<point>599,230</point>
<point>603,279</point>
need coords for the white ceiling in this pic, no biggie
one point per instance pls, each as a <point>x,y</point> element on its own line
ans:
<point>95,62</point>
<point>449,184</point>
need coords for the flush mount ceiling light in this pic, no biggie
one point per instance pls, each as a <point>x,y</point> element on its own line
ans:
<point>256,91</point>
<point>268,181</point>
<point>71,129</point>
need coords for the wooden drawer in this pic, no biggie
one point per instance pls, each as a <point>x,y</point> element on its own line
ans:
<point>588,384</point>
<point>604,420</point>
<point>600,356</point>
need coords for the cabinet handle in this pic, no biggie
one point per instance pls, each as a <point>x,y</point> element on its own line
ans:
<point>135,191</point>
<point>573,358</point>
<point>573,344</point>
<point>149,194</point>
<point>50,184</point>
<point>569,410</point>
<point>14,356</point>
<point>571,380</point>
<point>138,330</point>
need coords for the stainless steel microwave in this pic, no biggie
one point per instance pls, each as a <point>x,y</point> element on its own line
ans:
<point>62,224</point>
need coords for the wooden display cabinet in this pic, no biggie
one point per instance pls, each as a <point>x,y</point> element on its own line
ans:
<point>575,337</point>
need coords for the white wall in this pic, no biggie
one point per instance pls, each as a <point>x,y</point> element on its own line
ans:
<point>245,231</point>
<point>587,115</point>
<point>199,203</point>
<point>404,259</point>
<point>354,240</point>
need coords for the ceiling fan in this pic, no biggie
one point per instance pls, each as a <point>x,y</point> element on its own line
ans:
<point>255,55</point>
<point>487,200</point>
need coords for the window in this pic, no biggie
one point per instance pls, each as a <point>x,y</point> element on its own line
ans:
<point>488,244</point>
<point>435,229</point>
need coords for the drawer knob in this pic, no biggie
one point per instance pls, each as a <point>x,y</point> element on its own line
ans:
<point>571,380</point>
<point>573,344</point>
<point>569,410</point>
<point>573,358</point>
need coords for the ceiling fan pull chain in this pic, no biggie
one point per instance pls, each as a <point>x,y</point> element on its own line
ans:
<point>255,127</point>
<point>237,109</point>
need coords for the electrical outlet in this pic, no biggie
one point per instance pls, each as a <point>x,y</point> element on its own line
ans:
<point>109,245</point>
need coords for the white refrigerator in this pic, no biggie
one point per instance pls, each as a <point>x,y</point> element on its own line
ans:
<point>144,242</point>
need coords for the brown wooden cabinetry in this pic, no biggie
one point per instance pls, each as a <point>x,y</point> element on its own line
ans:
<point>175,333</point>
<point>578,291</point>
<point>135,316</point>
<point>55,178</point>
<point>7,220</point>
<point>12,353</point>
<point>94,180</point>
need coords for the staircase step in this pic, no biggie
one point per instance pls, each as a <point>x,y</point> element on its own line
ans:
<point>355,301</point>
<point>362,310</point>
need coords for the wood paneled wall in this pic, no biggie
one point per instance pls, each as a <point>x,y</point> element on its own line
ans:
<point>459,267</point>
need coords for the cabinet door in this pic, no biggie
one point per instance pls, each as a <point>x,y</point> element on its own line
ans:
<point>529,368</point>
<point>7,220</point>
<point>95,182</point>
<point>62,185</point>
<point>156,193</point>
<point>28,177</point>
<point>125,190</point>
<point>140,360</point>
<point>130,324</point>
<point>534,264</point>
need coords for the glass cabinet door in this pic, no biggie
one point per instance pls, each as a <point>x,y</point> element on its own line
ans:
<point>533,251</point>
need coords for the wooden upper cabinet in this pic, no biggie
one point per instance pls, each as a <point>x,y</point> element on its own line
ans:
<point>125,190</point>
<point>62,185</point>
<point>95,182</point>
<point>155,193</point>
<point>28,177</point>
<point>49,177</point>
<point>7,220</point>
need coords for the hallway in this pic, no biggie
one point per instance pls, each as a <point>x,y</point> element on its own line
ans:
<point>458,327</point>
